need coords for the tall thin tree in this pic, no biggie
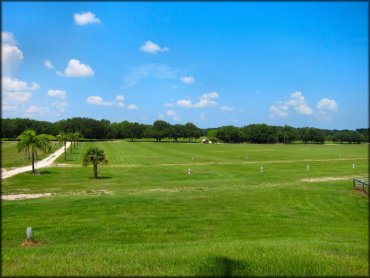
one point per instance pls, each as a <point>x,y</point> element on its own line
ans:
<point>94,156</point>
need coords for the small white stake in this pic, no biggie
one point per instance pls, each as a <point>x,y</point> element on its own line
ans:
<point>353,166</point>
<point>261,169</point>
<point>189,171</point>
<point>29,233</point>
<point>308,168</point>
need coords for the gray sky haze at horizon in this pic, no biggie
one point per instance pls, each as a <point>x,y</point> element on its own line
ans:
<point>210,63</point>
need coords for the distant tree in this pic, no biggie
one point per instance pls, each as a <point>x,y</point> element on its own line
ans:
<point>191,131</point>
<point>29,140</point>
<point>176,131</point>
<point>160,130</point>
<point>62,138</point>
<point>94,156</point>
<point>212,135</point>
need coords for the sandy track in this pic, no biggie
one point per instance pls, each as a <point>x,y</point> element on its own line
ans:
<point>40,164</point>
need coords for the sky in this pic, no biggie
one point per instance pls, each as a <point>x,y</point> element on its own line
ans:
<point>210,63</point>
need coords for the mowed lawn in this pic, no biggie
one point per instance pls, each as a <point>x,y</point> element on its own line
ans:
<point>146,216</point>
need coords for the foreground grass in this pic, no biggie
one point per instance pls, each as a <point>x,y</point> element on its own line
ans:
<point>227,218</point>
<point>12,158</point>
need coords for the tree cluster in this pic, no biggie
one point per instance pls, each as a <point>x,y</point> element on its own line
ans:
<point>88,128</point>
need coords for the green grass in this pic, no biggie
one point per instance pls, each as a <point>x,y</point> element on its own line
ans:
<point>12,158</point>
<point>227,218</point>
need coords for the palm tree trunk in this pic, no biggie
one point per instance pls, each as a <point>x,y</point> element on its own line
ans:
<point>65,150</point>
<point>95,170</point>
<point>33,160</point>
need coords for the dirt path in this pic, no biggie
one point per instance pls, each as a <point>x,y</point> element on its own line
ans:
<point>40,164</point>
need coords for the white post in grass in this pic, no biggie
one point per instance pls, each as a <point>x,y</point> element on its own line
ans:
<point>189,171</point>
<point>353,165</point>
<point>29,233</point>
<point>308,168</point>
<point>261,169</point>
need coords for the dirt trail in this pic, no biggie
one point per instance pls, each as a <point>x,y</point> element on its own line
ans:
<point>40,164</point>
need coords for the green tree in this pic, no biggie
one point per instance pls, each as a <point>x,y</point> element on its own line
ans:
<point>94,156</point>
<point>29,140</point>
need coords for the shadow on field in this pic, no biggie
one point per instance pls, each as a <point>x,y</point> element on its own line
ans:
<point>100,178</point>
<point>45,172</point>
<point>223,266</point>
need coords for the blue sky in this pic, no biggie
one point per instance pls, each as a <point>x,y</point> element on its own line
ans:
<point>210,63</point>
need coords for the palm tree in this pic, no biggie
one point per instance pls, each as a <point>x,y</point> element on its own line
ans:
<point>29,140</point>
<point>63,138</point>
<point>94,156</point>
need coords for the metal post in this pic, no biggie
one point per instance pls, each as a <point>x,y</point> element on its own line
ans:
<point>29,233</point>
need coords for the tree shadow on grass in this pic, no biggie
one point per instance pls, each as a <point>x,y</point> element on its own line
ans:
<point>100,178</point>
<point>223,267</point>
<point>43,172</point>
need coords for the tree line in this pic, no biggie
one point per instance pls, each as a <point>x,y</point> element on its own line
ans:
<point>89,128</point>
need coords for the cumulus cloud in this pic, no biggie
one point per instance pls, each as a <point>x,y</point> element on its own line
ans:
<point>280,109</point>
<point>13,84</point>
<point>187,79</point>
<point>57,93</point>
<point>120,98</point>
<point>48,64</point>
<point>11,57</point>
<point>132,107</point>
<point>153,48</point>
<point>97,100</point>
<point>77,69</point>
<point>85,18</point>
<point>173,115</point>
<point>206,100</point>
<point>18,97</point>
<point>227,108</point>
<point>60,105</point>
<point>327,104</point>
<point>297,101</point>
<point>34,109</point>
<point>8,38</point>
<point>158,71</point>
<point>168,104</point>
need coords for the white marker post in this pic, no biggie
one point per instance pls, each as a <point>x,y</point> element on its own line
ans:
<point>189,171</point>
<point>308,168</point>
<point>353,166</point>
<point>29,233</point>
<point>261,169</point>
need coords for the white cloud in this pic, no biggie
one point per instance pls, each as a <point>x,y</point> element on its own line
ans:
<point>227,108</point>
<point>173,115</point>
<point>11,57</point>
<point>187,79</point>
<point>132,107</point>
<point>297,101</point>
<point>97,100</point>
<point>327,104</point>
<point>76,69</point>
<point>58,72</point>
<point>17,97</point>
<point>159,71</point>
<point>120,98</point>
<point>8,38</point>
<point>168,104</point>
<point>280,109</point>
<point>57,93</point>
<point>206,100</point>
<point>85,18</point>
<point>48,64</point>
<point>61,106</point>
<point>185,103</point>
<point>153,48</point>
<point>33,109</point>
<point>202,116</point>
<point>13,84</point>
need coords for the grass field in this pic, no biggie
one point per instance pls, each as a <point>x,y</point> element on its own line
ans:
<point>147,216</point>
<point>12,158</point>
